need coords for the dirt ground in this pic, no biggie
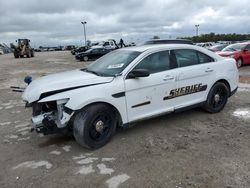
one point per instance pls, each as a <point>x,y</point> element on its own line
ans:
<point>188,149</point>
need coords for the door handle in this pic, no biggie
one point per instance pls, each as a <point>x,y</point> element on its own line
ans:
<point>168,77</point>
<point>209,70</point>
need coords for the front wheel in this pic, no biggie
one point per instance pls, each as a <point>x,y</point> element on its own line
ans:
<point>28,55</point>
<point>94,126</point>
<point>16,54</point>
<point>32,53</point>
<point>217,98</point>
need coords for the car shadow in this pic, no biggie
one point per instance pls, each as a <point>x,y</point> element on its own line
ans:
<point>56,140</point>
<point>157,122</point>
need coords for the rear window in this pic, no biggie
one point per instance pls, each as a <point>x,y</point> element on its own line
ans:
<point>188,57</point>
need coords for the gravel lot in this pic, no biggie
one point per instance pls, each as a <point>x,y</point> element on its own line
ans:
<point>188,149</point>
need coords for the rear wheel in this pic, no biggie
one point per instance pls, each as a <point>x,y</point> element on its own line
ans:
<point>217,98</point>
<point>239,63</point>
<point>94,126</point>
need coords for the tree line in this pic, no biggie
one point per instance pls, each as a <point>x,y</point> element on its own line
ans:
<point>212,37</point>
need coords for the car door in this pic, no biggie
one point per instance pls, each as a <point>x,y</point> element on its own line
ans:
<point>91,54</point>
<point>103,52</point>
<point>196,71</point>
<point>145,95</point>
<point>246,54</point>
<point>99,53</point>
<point>95,53</point>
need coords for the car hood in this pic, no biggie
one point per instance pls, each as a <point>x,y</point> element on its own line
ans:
<point>60,82</point>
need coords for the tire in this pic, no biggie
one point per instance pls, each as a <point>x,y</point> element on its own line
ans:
<point>239,63</point>
<point>32,53</point>
<point>85,58</point>
<point>28,55</point>
<point>16,55</point>
<point>94,126</point>
<point>217,98</point>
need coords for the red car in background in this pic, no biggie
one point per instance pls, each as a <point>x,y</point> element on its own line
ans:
<point>240,52</point>
<point>218,47</point>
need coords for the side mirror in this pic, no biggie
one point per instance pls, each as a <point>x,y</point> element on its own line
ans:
<point>137,73</point>
<point>245,50</point>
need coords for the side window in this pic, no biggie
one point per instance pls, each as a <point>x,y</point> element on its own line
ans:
<point>156,62</point>
<point>203,58</point>
<point>106,44</point>
<point>186,57</point>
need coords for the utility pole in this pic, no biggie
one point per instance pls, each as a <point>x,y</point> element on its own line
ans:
<point>84,23</point>
<point>197,29</point>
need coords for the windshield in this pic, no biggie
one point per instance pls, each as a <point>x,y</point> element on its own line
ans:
<point>113,63</point>
<point>89,50</point>
<point>234,47</point>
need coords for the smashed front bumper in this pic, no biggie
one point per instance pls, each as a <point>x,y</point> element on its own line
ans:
<point>50,118</point>
<point>45,123</point>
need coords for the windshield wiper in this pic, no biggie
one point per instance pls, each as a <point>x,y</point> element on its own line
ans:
<point>96,73</point>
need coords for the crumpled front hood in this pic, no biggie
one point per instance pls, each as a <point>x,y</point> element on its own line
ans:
<point>61,81</point>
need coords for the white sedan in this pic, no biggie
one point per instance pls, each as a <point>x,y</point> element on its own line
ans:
<point>128,85</point>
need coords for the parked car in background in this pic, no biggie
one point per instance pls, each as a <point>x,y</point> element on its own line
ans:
<point>92,54</point>
<point>131,44</point>
<point>168,41</point>
<point>218,47</point>
<point>79,50</point>
<point>69,47</point>
<point>109,44</point>
<point>205,44</point>
<point>37,49</point>
<point>240,52</point>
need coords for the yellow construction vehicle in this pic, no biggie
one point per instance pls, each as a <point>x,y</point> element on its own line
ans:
<point>22,49</point>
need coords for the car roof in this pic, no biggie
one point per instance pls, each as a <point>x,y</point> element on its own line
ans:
<point>242,43</point>
<point>168,41</point>
<point>97,47</point>
<point>216,45</point>
<point>157,46</point>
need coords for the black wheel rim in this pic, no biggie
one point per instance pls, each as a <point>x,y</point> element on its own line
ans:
<point>100,126</point>
<point>219,98</point>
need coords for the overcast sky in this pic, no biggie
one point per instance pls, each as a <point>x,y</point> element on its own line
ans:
<point>57,22</point>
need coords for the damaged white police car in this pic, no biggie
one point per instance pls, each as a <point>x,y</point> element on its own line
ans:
<point>128,85</point>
